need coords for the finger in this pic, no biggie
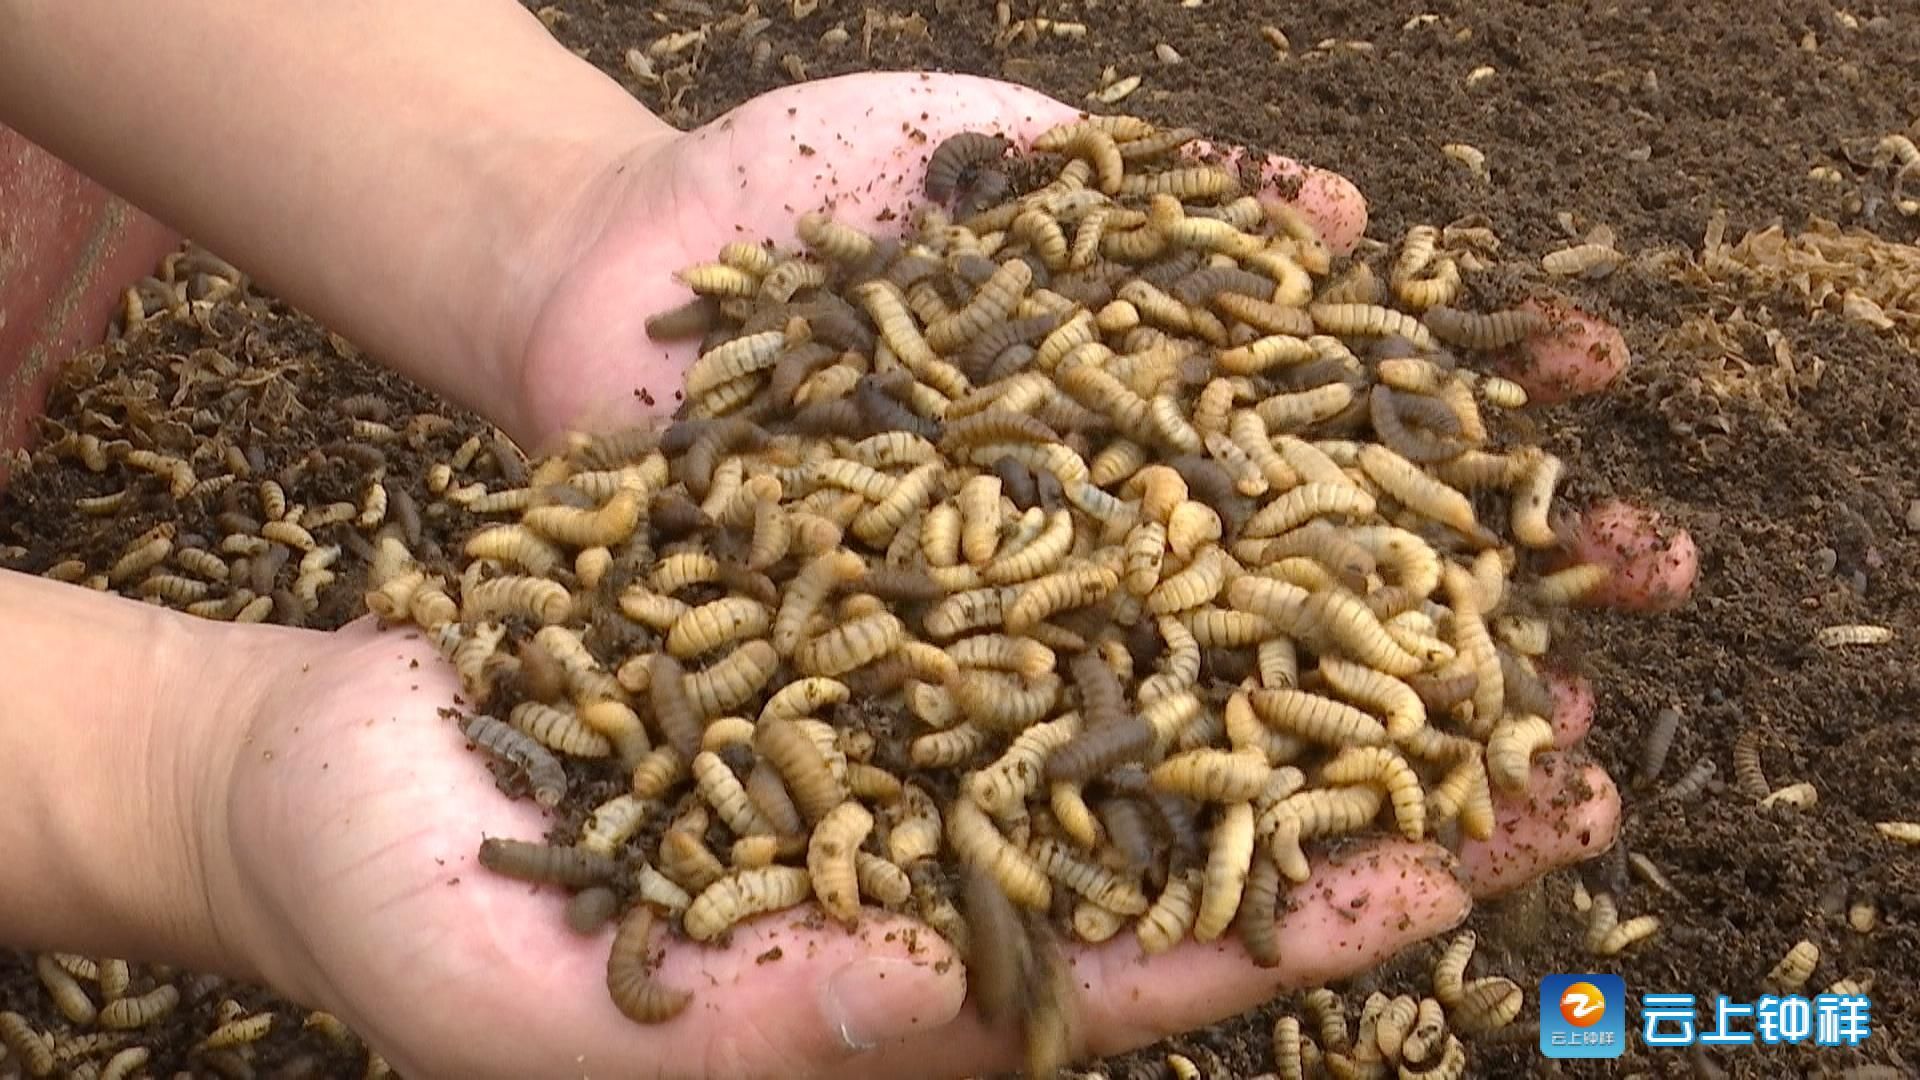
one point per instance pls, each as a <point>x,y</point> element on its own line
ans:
<point>1359,908</point>
<point>1654,563</point>
<point>1578,354</point>
<point>1568,813</point>
<point>860,143</point>
<point>1330,202</point>
<point>1572,708</point>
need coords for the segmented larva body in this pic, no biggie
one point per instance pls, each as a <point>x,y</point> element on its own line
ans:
<point>1101,884</point>
<point>546,864</point>
<point>1666,724</point>
<point>979,844</point>
<point>542,769</point>
<point>742,895</point>
<point>1386,768</point>
<point>246,1029</point>
<point>831,859</point>
<point>1319,719</point>
<point>801,764</point>
<point>1511,747</point>
<point>1497,330</point>
<point>1307,814</point>
<point>629,973</point>
<point>1229,862</point>
<point>515,544</point>
<point>1015,776</point>
<point>1795,968</point>
<point>1210,775</point>
<point>1171,917</point>
<point>560,730</point>
<point>714,625</point>
<point>1449,972</point>
<point>26,1044</point>
<point>67,994</point>
<point>140,1011</point>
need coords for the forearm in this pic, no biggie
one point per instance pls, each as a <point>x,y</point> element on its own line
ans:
<point>118,725</point>
<point>401,170</point>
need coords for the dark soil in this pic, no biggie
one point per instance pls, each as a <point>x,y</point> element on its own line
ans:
<point>1644,117</point>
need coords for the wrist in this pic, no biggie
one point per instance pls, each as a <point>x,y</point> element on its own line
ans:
<point>209,680</point>
<point>115,737</point>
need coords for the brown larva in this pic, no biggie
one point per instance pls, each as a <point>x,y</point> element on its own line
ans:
<point>958,156</point>
<point>1749,777</point>
<point>673,713</point>
<point>1487,332</point>
<point>1099,748</point>
<point>546,864</point>
<point>629,976</point>
<point>1692,782</point>
<point>1666,724</point>
<point>801,764</point>
<point>543,771</point>
<point>1435,434</point>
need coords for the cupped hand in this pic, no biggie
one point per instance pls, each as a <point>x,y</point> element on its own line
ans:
<point>357,809</point>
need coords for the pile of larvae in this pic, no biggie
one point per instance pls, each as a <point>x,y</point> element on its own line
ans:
<point>1084,553</point>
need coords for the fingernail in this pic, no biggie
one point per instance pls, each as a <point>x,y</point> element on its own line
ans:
<point>880,1000</point>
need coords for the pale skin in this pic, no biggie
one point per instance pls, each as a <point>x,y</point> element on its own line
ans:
<point>495,219</point>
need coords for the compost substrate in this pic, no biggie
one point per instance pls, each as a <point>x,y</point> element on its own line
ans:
<point>1645,118</point>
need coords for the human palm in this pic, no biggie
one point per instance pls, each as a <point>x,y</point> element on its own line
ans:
<point>356,809</point>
